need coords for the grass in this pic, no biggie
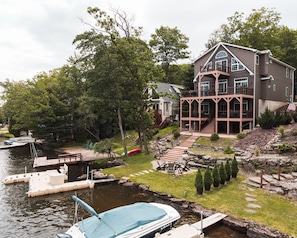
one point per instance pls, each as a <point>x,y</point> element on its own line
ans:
<point>229,199</point>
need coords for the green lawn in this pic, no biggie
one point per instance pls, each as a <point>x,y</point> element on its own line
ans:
<point>276,211</point>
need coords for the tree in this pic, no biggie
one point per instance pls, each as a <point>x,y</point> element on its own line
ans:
<point>216,176</point>
<point>222,174</point>
<point>199,182</point>
<point>169,45</point>
<point>228,170</point>
<point>234,168</point>
<point>207,179</point>
<point>119,70</point>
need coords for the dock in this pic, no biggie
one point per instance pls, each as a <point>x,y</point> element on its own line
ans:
<point>194,230</point>
<point>43,161</point>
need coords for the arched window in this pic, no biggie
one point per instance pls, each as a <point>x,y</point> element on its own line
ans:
<point>221,54</point>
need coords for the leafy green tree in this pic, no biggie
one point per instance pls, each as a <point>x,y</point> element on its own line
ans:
<point>222,173</point>
<point>234,168</point>
<point>169,45</point>
<point>199,182</point>
<point>228,170</point>
<point>118,71</point>
<point>208,181</point>
<point>216,176</point>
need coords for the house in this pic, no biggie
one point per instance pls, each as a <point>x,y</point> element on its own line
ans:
<point>232,86</point>
<point>164,100</point>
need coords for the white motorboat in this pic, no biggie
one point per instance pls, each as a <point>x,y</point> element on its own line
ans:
<point>138,220</point>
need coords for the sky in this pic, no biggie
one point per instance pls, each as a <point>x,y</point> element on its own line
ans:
<point>36,35</point>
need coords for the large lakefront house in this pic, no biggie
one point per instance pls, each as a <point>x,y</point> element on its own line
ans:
<point>232,86</point>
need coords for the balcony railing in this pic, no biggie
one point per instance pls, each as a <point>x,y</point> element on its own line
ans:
<point>221,114</point>
<point>212,92</point>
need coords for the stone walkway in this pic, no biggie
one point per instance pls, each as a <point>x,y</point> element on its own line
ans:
<point>251,199</point>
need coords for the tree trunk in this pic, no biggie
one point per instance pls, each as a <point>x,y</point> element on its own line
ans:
<point>139,138</point>
<point>122,131</point>
<point>145,143</point>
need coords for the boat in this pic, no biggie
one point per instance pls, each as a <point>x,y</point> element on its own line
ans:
<point>138,220</point>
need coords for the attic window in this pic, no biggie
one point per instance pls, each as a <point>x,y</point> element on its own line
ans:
<point>221,54</point>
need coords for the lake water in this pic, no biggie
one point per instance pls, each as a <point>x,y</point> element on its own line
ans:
<point>46,216</point>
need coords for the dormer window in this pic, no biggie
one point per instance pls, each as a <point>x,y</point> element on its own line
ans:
<point>221,54</point>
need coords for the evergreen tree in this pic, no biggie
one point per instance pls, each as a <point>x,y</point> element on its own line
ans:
<point>199,182</point>
<point>216,176</point>
<point>228,170</point>
<point>207,179</point>
<point>234,168</point>
<point>222,173</point>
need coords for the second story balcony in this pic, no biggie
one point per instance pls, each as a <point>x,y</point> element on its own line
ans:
<point>221,91</point>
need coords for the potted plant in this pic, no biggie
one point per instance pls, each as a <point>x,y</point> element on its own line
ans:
<point>199,182</point>
<point>228,170</point>
<point>216,176</point>
<point>222,174</point>
<point>207,179</point>
<point>234,168</point>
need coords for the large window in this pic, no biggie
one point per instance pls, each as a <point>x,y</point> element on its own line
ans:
<point>236,65</point>
<point>245,106</point>
<point>222,86</point>
<point>222,65</point>
<point>240,85</point>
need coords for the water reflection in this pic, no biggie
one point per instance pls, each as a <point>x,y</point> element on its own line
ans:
<point>46,216</point>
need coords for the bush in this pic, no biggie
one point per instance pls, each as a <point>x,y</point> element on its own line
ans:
<point>266,119</point>
<point>207,179</point>
<point>257,151</point>
<point>283,148</point>
<point>294,133</point>
<point>199,182</point>
<point>214,136</point>
<point>228,150</point>
<point>216,176</point>
<point>241,135</point>
<point>176,134</point>
<point>281,130</point>
<point>234,168</point>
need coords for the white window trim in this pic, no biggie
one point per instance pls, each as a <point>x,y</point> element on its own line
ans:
<point>235,62</point>
<point>221,54</point>
<point>240,80</point>
<point>224,82</point>
<point>287,73</point>
<point>287,91</point>
<point>216,65</point>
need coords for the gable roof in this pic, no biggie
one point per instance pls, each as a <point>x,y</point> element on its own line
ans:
<point>168,91</point>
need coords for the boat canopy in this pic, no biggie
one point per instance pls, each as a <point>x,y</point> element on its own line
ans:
<point>120,219</point>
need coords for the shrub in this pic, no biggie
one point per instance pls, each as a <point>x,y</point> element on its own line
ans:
<point>283,148</point>
<point>207,179</point>
<point>176,134</point>
<point>199,182</point>
<point>214,136</point>
<point>222,173</point>
<point>266,119</point>
<point>241,135</point>
<point>281,130</point>
<point>294,133</point>
<point>228,150</point>
<point>257,151</point>
<point>228,170</point>
<point>216,176</point>
<point>294,116</point>
<point>234,168</point>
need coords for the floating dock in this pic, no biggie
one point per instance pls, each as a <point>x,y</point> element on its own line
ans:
<point>194,230</point>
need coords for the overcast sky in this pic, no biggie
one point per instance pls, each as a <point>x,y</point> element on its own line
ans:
<point>37,35</point>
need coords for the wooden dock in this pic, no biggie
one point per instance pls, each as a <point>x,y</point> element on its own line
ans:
<point>194,230</point>
<point>62,159</point>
